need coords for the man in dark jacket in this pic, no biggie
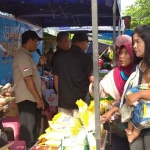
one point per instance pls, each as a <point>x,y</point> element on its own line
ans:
<point>74,70</point>
<point>63,44</point>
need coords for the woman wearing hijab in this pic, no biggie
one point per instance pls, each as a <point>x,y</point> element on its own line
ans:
<point>112,85</point>
<point>141,48</point>
<point>120,40</point>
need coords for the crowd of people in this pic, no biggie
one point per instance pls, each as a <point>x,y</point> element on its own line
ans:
<point>128,85</point>
<point>130,129</point>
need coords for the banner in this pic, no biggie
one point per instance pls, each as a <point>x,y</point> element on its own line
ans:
<point>10,41</point>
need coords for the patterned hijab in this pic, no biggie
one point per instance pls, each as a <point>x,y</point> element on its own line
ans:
<point>122,39</point>
<point>121,74</point>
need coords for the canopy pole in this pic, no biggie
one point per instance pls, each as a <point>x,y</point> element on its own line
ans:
<point>96,72</point>
<point>114,33</point>
<point>42,48</point>
<point>119,26</point>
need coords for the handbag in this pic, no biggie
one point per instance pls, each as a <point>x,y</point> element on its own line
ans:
<point>118,128</point>
<point>126,112</point>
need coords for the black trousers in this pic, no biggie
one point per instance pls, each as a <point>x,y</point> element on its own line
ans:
<point>119,143</point>
<point>30,120</point>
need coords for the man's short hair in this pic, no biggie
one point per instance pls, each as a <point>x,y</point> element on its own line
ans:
<point>61,35</point>
<point>79,37</point>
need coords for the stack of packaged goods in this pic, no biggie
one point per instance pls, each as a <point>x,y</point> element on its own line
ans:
<point>70,133</point>
<point>6,90</point>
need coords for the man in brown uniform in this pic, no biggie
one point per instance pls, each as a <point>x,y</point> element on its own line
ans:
<point>28,88</point>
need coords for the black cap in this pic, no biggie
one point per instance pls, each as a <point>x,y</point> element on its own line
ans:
<point>80,37</point>
<point>30,35</point>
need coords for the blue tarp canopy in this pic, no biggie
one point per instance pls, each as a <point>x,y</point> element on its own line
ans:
<point>109,36</point>
<point>56,13</point>
<point>105,32</point>
<point>88,29</point>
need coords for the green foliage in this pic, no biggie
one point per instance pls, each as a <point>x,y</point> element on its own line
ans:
<point>139,12</point>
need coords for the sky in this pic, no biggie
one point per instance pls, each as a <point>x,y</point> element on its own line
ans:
<point>125,3</point>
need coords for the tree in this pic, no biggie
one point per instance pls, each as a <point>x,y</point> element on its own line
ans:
<point>139,12</point>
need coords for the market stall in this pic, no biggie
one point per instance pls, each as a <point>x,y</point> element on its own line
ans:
<point>68,132</point>
<point>62,13</point>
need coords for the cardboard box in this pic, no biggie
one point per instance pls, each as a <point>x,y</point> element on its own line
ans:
<point>12,109</point>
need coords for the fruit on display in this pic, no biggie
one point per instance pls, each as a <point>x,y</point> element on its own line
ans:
<point>105,105</point>
<point>110,55</point>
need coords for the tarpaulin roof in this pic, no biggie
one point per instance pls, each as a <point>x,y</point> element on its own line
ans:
<point>56,13</point>
<point>101,48</point>
<point>88,29</point>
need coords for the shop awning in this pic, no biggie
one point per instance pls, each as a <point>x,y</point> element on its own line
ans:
<point>101,48</point>
<point>54,13</point>
<point>88,29</point>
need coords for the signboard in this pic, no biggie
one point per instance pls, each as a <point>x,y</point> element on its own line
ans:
<point>10,41</point>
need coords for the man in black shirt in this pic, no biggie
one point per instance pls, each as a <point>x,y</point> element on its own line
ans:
<point>74,70</point>
<point>63,44</point>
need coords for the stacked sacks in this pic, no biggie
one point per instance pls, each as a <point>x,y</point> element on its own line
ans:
<point>6,90</point>
<point>67,132</point>
<point>60,127</point>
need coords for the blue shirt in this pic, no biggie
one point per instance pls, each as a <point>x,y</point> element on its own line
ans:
<point>144,132</point>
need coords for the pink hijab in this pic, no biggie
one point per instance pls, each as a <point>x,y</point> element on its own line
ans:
<point>122,39</point>
<point>122,73</point>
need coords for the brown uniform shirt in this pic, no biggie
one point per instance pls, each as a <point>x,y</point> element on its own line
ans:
<point>24,66</point>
